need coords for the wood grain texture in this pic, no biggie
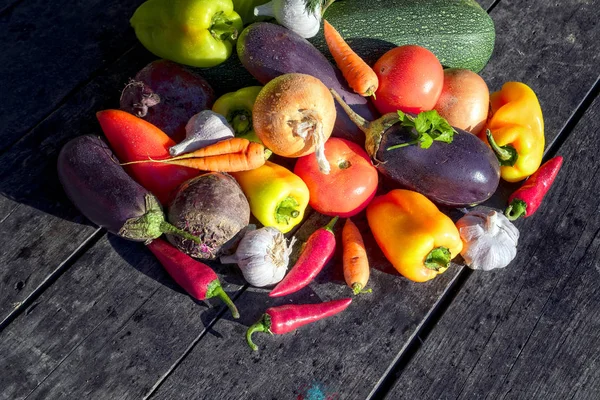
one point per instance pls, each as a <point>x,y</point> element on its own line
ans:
<point>344,356</point>
<point>108,328</point>
<point>46,55</point>
<point>40,226</point>
<point>527,331</point>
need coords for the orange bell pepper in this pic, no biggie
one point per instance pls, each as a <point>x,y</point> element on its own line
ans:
<point>416,238</point>
<point>515,131</point>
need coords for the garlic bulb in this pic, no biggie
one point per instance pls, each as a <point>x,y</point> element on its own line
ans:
<point>262,255</point>
<point>203,129</point>
<point>294,15</point>
<point>489,239</point>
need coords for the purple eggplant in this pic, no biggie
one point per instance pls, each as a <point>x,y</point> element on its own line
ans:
<point>268,50</point>
<point>105,194</point>
<point>464,172</point>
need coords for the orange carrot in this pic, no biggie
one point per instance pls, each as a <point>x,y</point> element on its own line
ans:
<point>230,155</point>
<point>355,261</point>
<point>360,77</point>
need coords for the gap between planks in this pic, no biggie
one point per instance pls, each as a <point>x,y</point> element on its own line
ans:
<point>452,290</point>
<point>52,277</point>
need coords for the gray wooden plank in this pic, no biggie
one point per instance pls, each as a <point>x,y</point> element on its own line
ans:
<point>110,327</point>
<point>40,227</point>
<point>49,50</point>
<point>523,56</point>
<point>529,331</point>
<point>343,356</point>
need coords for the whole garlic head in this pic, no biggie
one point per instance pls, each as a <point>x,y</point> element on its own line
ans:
<point>489,239</point>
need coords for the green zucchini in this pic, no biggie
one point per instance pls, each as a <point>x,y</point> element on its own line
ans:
<point>459,32</point>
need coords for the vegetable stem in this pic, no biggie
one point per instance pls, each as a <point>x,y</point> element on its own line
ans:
<point>241,122</point>
<point>263,325</point>
<point>507,155</point>
<point>515,209</point>
<point>329,226</point>
<point>166,227</point>
<point>216,290</point>
<point>438,259</point>
<point>357,288</point>
<point>222,28</point>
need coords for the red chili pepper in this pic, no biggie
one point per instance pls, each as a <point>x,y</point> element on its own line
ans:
<point>318,250</point>
<point>134,139</point>
<point>197,278</point>
<point>526,200</point>
<point>286,318</point>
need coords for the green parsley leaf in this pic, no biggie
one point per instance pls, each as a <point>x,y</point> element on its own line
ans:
<point>429,126</point>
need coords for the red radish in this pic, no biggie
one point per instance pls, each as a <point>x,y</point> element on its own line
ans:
<point>167,95</point>
<point>286,318</point>
<point>133,139</point>
<point>318,250</point>
<point>197,278</point>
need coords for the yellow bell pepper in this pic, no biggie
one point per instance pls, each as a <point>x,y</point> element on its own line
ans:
<point>416,238</point>
<point>515,131</point>
<point>277,196</point>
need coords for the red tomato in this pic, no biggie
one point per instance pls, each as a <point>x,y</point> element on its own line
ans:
<point>349,186</point>
<point>464,101</point>
<point>410,79</point>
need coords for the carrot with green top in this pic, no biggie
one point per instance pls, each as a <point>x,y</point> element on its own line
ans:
<point>359,75</point>
<point>354,256</point>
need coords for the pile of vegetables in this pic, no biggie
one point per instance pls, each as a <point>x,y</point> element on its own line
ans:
<point>394,142</point>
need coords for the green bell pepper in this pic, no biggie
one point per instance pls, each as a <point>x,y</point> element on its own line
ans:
<point>199,33</point>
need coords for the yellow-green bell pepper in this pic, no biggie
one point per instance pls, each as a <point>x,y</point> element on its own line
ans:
<point>277,196</point>
<point>414,235</point>
<point>236,107</point>
<point>199,33</point>
<point>515,131</point>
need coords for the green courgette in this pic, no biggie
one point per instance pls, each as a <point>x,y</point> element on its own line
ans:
<point>459,32</point>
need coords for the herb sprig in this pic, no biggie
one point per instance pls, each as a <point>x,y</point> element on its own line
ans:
<point>429,126</point>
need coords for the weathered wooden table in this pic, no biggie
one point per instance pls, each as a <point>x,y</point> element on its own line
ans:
<point>86,315</point>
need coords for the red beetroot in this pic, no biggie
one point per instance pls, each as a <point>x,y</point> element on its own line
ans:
<point>318,250</point>
<point>197,278</point>
<point>527,199</point>
<point>286,318</point>
<point>167,95</point>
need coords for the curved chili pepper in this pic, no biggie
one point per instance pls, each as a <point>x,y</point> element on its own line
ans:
<point>197,278</point>
<point>286,318</point>
<point>527,199</point>
<point>318,250</point>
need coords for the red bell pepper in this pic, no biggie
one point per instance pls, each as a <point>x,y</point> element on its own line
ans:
<point>527,199</point>
<point>318,250</point>
<point>197,278</point>
<point>286,318</point>
<point>133,139</point>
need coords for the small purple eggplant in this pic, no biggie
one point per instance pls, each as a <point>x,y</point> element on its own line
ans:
<point>104,193</point>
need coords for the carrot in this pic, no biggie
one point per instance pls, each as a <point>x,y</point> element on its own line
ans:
<point>355,261</point>
<point>229,155</point>
<point>359,75</point>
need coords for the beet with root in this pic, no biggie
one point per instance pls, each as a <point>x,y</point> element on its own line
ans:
<point>213,207</point>
<point>101,189</point>
<point>167,95</point>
